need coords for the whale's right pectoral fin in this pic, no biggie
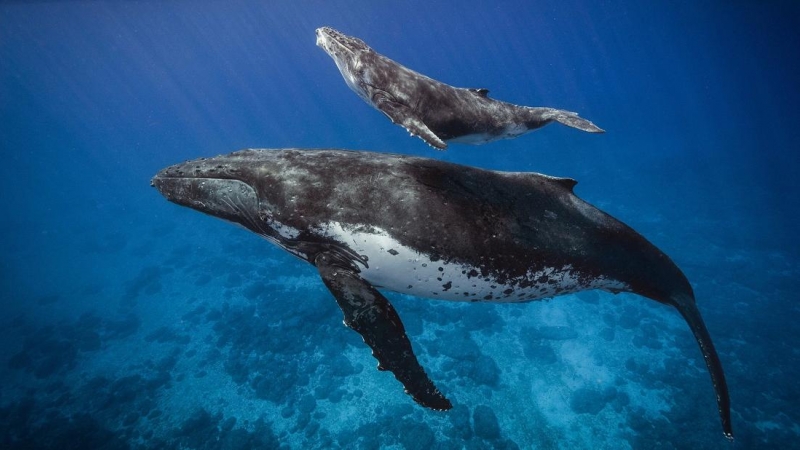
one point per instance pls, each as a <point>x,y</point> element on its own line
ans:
<point>373,317</point>
<point>402,115</point>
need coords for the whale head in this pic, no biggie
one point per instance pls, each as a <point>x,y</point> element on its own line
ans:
<point>348,53</point>
<point>338,45</point>
<point>236,187</point>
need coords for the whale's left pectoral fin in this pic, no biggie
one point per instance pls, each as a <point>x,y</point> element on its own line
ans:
<point>373,317</point>
<point>402,115</point>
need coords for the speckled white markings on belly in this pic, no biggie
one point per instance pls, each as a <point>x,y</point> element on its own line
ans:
<point>396,267</point>
<point>510,132</point>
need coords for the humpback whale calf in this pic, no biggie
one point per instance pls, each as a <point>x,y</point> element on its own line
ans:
<point>370,221</point>
<point>436,112</point>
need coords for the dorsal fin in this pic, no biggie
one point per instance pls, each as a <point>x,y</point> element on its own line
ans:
<point>566,183</point>
<point>483,92</point>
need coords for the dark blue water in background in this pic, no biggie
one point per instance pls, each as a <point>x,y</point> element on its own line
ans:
<point>129,322</point>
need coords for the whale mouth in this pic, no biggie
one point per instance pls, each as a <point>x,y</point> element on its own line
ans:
<point>228,199</point>
<point>224,198</point>
<point>212,187</point>
<point>321,37</point>
<point>326,39</point>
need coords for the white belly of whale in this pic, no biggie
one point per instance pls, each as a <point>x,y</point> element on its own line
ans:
<point>393,266</point>
<point>509,132</point>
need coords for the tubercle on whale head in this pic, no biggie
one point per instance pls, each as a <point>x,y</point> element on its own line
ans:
<point>348,53</point>
<point>338,44</point>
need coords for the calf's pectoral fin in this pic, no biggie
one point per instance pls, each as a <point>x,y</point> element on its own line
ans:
<point>373,317</point>
<point>402,115</point>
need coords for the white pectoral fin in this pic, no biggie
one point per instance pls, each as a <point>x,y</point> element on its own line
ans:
<point>402,115</point>
<point>418,128</point>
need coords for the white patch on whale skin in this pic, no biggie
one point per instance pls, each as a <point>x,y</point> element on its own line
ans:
<point>402,269</point>
<point>285,231</point>
<point>514,130</point>
<point>474,139</point>
<point>510,132</point>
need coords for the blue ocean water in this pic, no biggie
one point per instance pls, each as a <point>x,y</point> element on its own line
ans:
<point>130,322</point>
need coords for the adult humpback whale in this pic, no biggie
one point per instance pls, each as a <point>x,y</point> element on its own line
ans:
<point>434,111</point>
<point>431,229</point>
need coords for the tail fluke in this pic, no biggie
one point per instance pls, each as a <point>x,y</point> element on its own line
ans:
<point>688,309</point>
<point>572,119</point>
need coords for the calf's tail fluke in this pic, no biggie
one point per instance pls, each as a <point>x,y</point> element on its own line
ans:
<point>572,119</point>
<point>688,309</point>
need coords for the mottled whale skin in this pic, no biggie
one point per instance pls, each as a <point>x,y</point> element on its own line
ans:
<point>434,111</point>
<point>434,229</point>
